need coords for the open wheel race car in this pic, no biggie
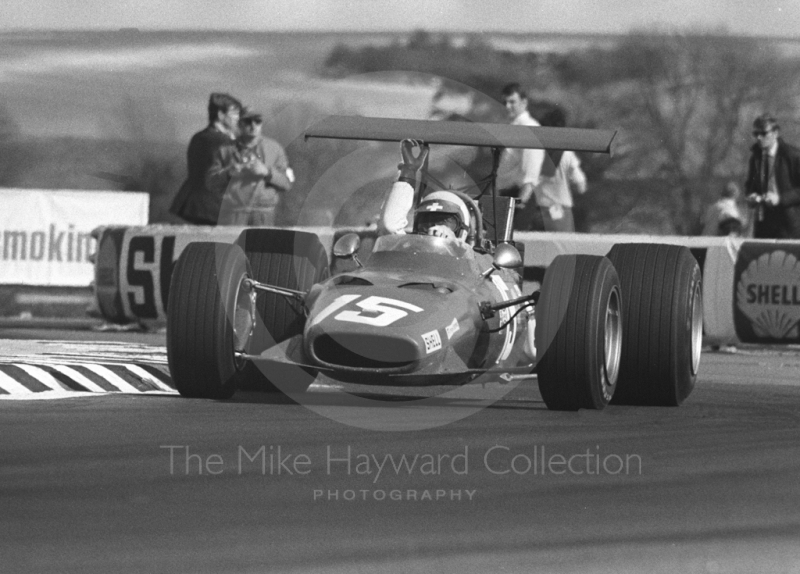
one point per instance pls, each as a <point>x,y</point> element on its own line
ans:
<point>424,310</point>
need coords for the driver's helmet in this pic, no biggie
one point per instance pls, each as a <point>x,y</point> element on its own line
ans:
<point>442,213</point>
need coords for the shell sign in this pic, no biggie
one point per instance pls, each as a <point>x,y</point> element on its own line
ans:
<point>767,293</point>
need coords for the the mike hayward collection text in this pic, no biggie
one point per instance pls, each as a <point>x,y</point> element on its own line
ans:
<point>345,460</point>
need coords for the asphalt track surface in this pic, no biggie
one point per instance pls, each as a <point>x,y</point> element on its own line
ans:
<point>88,484</point>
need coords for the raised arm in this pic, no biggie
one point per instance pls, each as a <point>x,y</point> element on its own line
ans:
<point>409,184</point>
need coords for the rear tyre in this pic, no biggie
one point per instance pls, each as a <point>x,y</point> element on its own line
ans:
<point>209,318</point>
<point>663,323</point>
<point>293,260</point>
<point>578,333</point>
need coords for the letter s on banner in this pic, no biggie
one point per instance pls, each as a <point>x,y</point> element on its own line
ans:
<point>147,258</point>
<point>141,277</point>
<point>145,268</point>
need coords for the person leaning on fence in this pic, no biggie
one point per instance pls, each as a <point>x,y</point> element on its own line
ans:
<point>195,202</point>
<point>250,175</point>
<point>773,182</point>
<point>723,217</point>
<point>560,176</point>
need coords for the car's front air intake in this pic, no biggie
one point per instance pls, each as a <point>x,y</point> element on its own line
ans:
<point>364,351</point>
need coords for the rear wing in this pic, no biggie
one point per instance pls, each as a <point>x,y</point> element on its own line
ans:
<point>463,133</point>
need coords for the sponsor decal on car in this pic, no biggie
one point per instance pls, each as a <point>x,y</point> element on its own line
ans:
<point>452,329</point>
<point>767,293</point>
<point>433,342</point>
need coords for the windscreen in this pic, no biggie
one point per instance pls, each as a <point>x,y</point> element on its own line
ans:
<point>423,244</point>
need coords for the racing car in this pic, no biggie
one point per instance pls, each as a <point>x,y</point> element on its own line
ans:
<point>422,310</point>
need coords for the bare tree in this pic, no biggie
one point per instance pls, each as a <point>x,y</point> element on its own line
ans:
<point>687,102</point>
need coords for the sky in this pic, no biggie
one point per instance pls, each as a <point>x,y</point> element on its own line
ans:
<point>778,18</point>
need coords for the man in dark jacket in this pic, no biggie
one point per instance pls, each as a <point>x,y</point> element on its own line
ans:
<point>195,202</point>
<point>773,182</point>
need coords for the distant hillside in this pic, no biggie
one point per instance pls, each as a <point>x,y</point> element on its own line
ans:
<point>83,109</point>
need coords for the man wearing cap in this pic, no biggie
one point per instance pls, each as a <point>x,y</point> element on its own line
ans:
<point>195,202</point>
<point>773,182</point>
<point>250,175</point>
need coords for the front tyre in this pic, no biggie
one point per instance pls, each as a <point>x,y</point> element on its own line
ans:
<point>209,319</point>
<point>578,333</point>
<point>283,258</point>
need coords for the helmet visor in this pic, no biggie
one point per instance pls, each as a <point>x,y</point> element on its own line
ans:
<point>424,221</point>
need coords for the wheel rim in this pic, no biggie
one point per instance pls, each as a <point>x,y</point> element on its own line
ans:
<point>697,328</point>
<point>613,341</point>
<point>243,319</point>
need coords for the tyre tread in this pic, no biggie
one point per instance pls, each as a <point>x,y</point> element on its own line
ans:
<point>655,279</point>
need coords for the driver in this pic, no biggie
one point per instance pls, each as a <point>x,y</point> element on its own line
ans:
<point>441,213</point>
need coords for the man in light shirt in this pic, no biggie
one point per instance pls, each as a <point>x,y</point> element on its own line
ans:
<point>723,218</point>
<point>520,169</point>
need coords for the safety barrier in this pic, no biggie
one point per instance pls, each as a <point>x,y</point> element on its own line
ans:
<point>751,288</point>
<point>45,238</point>
<point>133,265</point>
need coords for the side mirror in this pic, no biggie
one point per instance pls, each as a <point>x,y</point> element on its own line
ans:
<point>346,246</point>
<point>506,256</point>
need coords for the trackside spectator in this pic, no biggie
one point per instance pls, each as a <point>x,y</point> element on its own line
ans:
<point>560,176</point>
<point>723,217</point>
<point>195,202</point>
<point>773,182</point>
<point>251,174</point>
<point>520,169</point>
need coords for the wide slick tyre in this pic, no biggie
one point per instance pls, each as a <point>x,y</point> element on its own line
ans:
<point>209,319</point>
<point>293,260</point>
<point>578,333</point>
<point>663,323</point>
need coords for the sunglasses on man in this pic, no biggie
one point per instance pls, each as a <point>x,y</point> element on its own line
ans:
<point>761,134</point>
